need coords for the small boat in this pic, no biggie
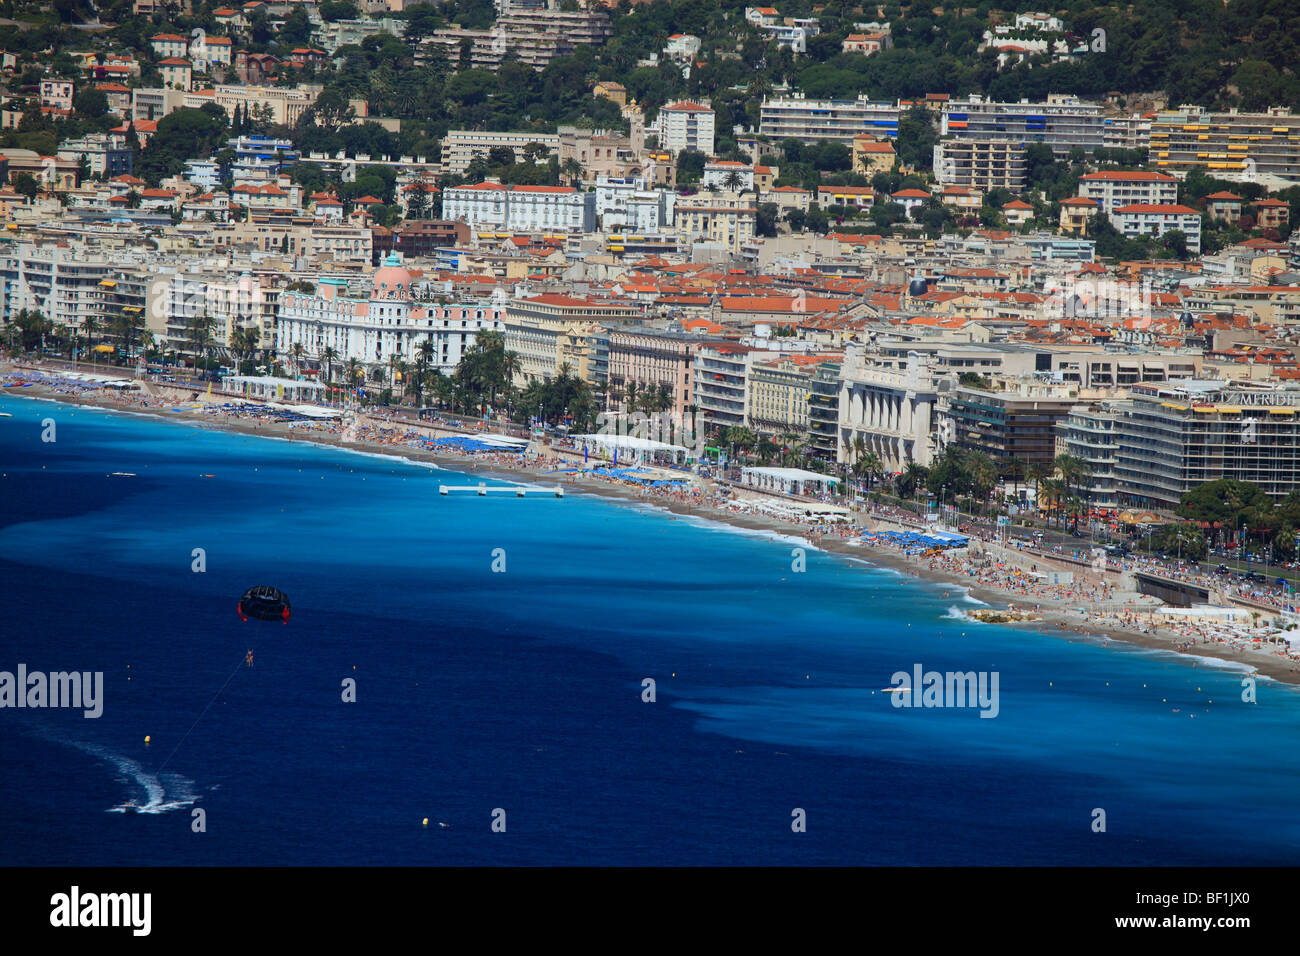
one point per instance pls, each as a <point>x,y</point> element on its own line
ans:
<point>5,415</point>
<point>123,474</point>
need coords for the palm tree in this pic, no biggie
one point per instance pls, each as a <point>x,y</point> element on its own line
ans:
<point>571,169</point>
<point>200,334</point>
<point>403,371</point>
<point>788,442</point>
<point>1052,493</point>
<point>912,479</point>
<point>330,356</point>
<point>243,342</point>
<point>355,371</point>
<point>296,351</point>
<point>1015,468</point>
<point>444,390</point>
<point>649,401</point>
<point>127,328</point>
<point>509,369</point>
<point>740,437</point>
<point>733,181</point>
<point>867,466</point>
<point>89,326</point>
<point>1036,471</point>
<point>423,360</point>
<point>981,474</point>
<point>663,402</point>
<point>1072,472</point>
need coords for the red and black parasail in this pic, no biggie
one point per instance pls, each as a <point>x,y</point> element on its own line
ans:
<point>264,603</point>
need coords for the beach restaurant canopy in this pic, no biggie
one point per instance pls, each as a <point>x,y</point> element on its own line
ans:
<point>788,481</point>
<point>267,386</point>
<point>626,445</point>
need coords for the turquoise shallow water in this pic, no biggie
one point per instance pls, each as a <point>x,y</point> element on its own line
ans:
<point>479,690</point>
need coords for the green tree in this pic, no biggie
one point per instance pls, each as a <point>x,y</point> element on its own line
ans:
<point>690,167</point>
<point>917,137</point>
<point>1181,539</point>
<point>182,134</point>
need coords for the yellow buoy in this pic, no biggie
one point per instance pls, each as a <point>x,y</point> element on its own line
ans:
<point>147,738</point>
<point>425,822</point>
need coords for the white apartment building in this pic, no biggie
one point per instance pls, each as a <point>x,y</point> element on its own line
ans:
<point>107,153</point>
<point>717,173</point>
<point>796,117</point>
<point>69,285</point>
<point>624,205</point>
<point>1062,122</point>
<point>721,395</point>
<point>794,33</point>
<point>1127,132</point>
<point>460,146</point>
<point>1114,189</point>
<point>521,208</point>
<point>231,302</point>
<point>685,125</point>
<point>206,52</point>
<point>1156,220</point>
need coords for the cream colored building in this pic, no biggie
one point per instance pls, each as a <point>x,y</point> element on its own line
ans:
<point>549,331</point>
<point>287,105</point>
<point>724,218</point>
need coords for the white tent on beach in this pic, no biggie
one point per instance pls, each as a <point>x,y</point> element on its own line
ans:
<point>630,446</point>
<point>270,387</point>
<point>787,481</point>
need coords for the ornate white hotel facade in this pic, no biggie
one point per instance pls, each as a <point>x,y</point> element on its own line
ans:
<point>891,407</point>
<point>389,323</point>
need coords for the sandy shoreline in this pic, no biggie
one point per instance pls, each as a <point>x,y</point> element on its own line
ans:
<point>1075,618</point>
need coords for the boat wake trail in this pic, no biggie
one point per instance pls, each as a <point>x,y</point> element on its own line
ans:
<point>145,792</point>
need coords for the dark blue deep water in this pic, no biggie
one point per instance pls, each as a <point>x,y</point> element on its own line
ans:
<point>522,690</point>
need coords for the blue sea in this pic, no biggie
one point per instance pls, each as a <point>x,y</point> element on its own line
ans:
<point>516,695</point>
